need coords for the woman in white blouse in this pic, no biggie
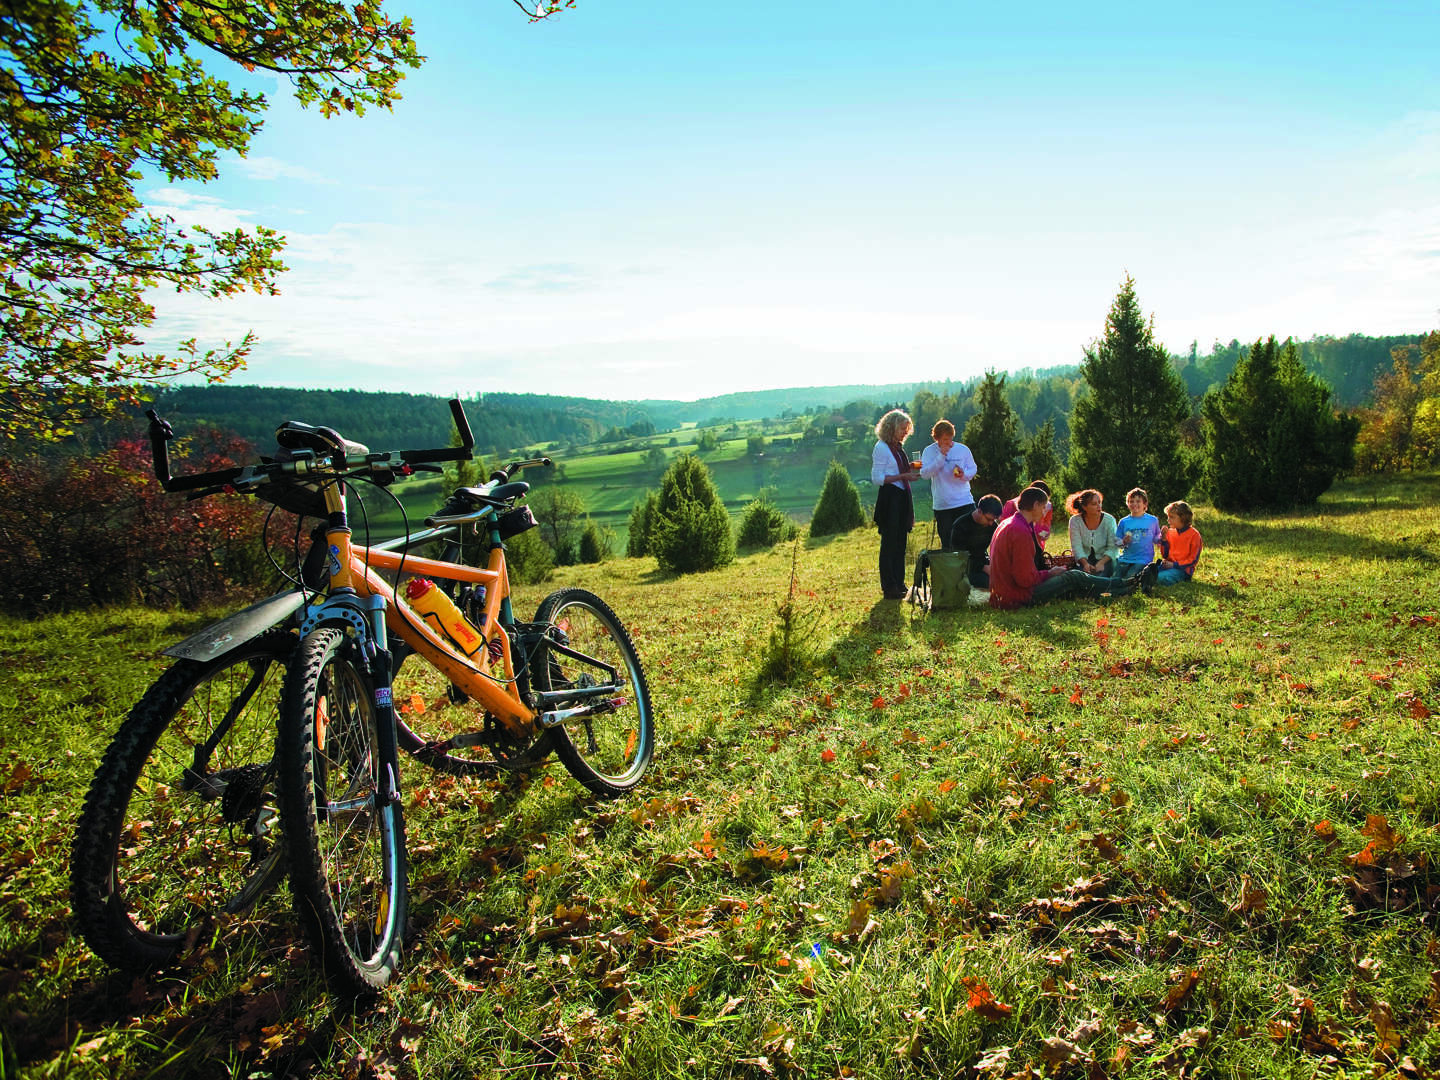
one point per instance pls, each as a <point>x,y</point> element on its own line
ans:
<point>1092,533</point>
<point>949,466</point>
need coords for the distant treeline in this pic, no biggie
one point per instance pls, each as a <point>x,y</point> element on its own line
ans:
<point>503,422</point>
<point>1349,364</point>
<point>499,422</point>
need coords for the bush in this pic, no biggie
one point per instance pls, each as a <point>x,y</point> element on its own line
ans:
<point>764,525</point>
<point>838,509</point>
<point>690,530</point>
<point>528,558</point>
<point>594,543</point>
<point>98,529</point>
<point>1272,437</point>
<point>637,543</point>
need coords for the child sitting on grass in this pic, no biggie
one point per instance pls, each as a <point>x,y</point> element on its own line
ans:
<point>1138,533</point>
<point>1182,545</point>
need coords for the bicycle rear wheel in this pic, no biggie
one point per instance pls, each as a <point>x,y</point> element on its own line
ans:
<point>609,749</point>
<point>435,724</point>
<point>181,822</point>
<point>347,844</point>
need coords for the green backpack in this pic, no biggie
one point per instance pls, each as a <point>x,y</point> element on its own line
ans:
<point>942,580</point>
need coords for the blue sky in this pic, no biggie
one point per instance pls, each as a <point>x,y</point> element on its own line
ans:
<point>636,200</point>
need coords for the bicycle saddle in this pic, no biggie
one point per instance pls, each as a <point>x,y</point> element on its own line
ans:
<point>304,497</point>
<point>293,435</point>
<point>497,496</point>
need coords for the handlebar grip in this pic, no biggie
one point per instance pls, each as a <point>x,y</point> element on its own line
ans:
<point>160,435</point>
<point>462,425</point>
<point>463,452</point>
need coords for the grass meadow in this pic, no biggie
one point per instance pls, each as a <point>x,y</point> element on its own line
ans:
<point>1190,835</point>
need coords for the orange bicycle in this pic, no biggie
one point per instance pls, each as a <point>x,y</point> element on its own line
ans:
<point>568,681</point>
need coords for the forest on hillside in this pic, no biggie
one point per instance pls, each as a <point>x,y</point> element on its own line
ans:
<point>505,422</point>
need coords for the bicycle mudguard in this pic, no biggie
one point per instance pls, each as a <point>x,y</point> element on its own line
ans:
<point>234,630</point>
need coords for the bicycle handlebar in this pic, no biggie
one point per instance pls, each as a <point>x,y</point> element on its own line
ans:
<point>302,464</point>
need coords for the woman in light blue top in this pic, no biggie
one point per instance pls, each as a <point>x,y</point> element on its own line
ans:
<point>1092,533</point>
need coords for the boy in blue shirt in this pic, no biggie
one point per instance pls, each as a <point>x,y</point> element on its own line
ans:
<point>1139,534</point>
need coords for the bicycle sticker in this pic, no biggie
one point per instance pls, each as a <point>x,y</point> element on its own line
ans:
<point>334,560</point>
<point>382,697</point>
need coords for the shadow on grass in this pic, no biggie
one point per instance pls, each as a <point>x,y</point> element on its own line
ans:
<point>258,1000</point>
<point>1309,537</point>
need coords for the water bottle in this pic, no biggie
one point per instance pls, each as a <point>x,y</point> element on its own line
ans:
<point>441,615</point>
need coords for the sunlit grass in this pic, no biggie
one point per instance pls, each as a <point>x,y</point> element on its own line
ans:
<point>1189,832</point>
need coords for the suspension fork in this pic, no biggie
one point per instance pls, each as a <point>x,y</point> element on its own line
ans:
<point>380,664</point>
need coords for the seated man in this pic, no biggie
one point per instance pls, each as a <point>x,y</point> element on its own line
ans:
<point>972,533</point>
<point>1015,580</point>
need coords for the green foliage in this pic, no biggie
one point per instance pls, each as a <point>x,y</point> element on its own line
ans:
<point>690,531</point>
<point>1272,438</point>
<point>763,524</point>
<point>1041,462</point>
<point>596,542</point>
<point>793,647</point>
<point>1126,431</point>
<point>642,515</point>
<point>1401,429</point>
<point>838,509</point>
<point>993,436</point>
<point>501,423</point>
<point>528,558</point>
<point>561,514</point>
<point>96,94</point>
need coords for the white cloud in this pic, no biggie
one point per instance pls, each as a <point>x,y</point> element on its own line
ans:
<point>270,169</point>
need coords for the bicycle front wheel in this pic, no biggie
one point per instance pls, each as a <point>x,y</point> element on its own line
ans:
<point>609,746</point>
<point>181,822</point>
<point>347,844</point>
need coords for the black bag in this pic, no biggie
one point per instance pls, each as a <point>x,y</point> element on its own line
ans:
<point>942,580</point>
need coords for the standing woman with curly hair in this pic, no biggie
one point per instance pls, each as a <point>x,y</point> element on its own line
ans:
<point>891,473</point>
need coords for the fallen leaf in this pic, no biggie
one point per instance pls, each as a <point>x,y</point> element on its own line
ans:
<point>1378,828</point>
<point>1057,1051</point>
<point>1252,897</point>
<point>1178,996</point>
<point>982,1000</point>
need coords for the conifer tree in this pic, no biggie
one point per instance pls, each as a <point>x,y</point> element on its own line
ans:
<point>993,436</point>
<point>1040,459</point>
<point>1272,438</point>
<point>642,514</point>
<point>1125,432</point>
<point>838,508</point>
<point>690,530</point>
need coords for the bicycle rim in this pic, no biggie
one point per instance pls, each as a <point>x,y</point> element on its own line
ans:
<point>609,750</point>
<point>347,844</point>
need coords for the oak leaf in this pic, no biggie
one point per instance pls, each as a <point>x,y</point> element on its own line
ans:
<point>982,1000</point>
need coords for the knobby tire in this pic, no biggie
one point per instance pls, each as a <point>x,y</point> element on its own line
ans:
<point>176,831</point>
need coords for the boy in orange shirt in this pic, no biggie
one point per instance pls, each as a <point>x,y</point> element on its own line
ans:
<point>1182,545</point>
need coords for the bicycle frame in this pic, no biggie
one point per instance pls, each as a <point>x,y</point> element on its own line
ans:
<point>501,700</point>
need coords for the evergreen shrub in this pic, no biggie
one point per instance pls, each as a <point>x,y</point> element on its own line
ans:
<point>690,530</point>
<point>838,509</point>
